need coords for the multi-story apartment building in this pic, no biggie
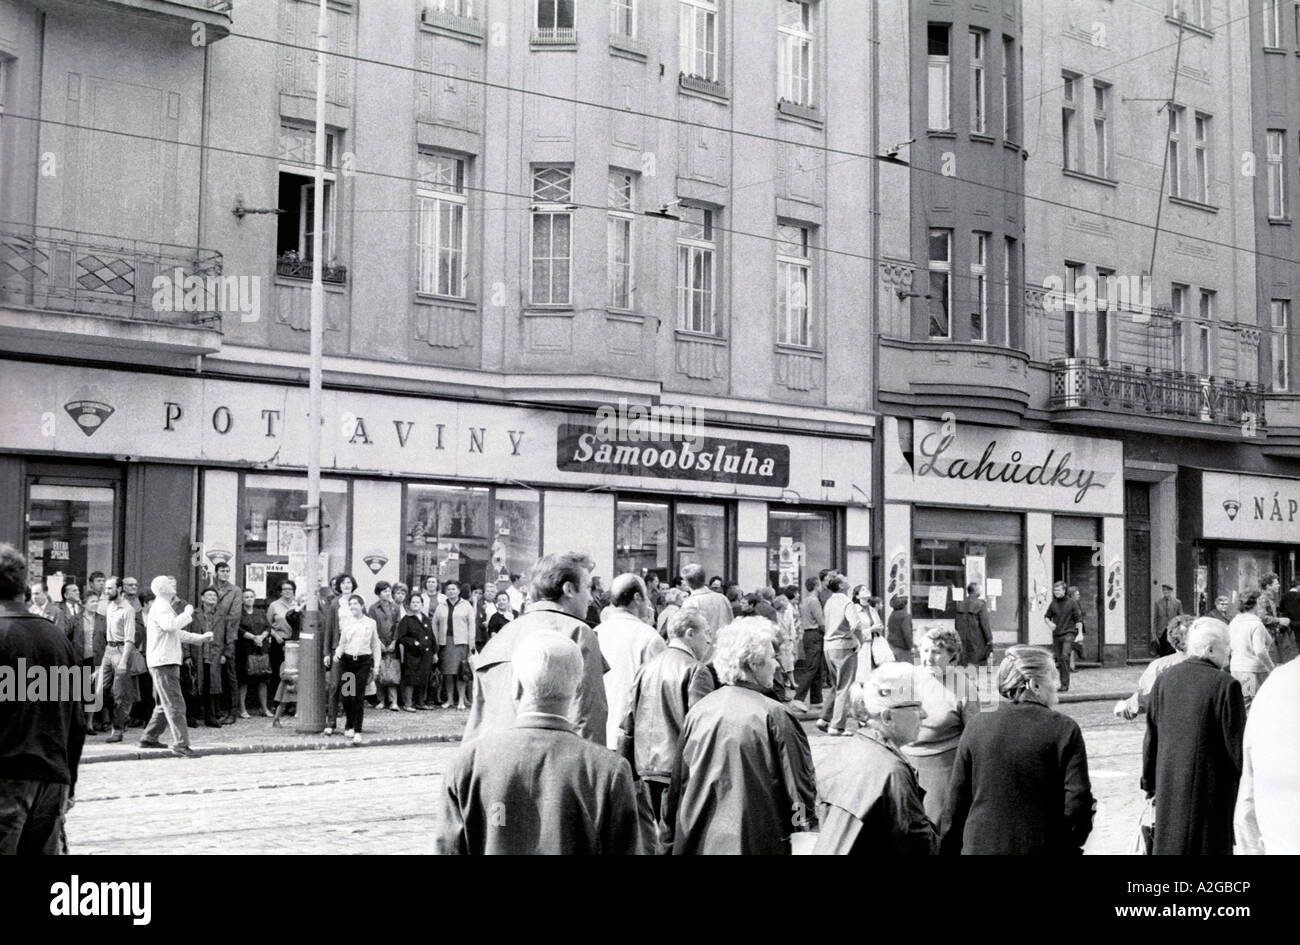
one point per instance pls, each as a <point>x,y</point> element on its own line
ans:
<point>532,210</point>
<point>1090,260</point>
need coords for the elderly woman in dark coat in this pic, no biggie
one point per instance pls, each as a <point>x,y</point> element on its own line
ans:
<point>1020,781</point>
<point>415,642</point>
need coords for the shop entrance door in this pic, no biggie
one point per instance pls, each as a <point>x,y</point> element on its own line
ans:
<point>1074,565</point>
<point>72,526</point>
<point>1137,569</point>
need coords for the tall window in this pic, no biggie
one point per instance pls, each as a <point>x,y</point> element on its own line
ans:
<point>699,38</point>
<point>1100,137</point>
<point>295,226</point>
<point>1178,302</point>
<point>1195,12</point>
<point>1173,159</point>
<point>1072,273</point>
<point>794,51</point>
<point>1272,23</point>
<point>940,284</point>
<point>1281,319</point>
<point>1206,315</point>
<point>555,14</point>
<point>1106,319</point>
<point>793,286</point>
<point>622,18</point>
<point>696,271</point>
<point>622,203</point>
<point>940,73</point>
<point>1009,287</point>
<point>1201,148</point>
<point>1008,88</point>
<point>979,277</point>
<point>1069,122</point>
<point>1275,148</point>
<point>978,117</point>
<point>552,243</point>
<point>440,196</point>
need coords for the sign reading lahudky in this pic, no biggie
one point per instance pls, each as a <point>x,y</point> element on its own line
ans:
<point>1250,508</point>
<point>964,464</point>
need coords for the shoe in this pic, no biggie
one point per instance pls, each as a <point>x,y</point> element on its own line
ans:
<point>462,707</point>
<point>447,704</point>
<point>356,739</point>
<point>799,706</point>
<point>212,724</point>
<point>229,720</point>
<point>348,733</point>
<point>183,751</point>
<point>328,731</point>
<point>408,709</point>
<point>115,737</point>
<point>268,714</point>
<point>245,715</point>
<point>150,743</point>
<point>838,732</point>
<point>823,725</point>
<point>1062,689</point>
<point>393,708</point>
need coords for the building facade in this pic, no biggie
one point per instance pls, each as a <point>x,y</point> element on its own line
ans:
<point>532,211</point>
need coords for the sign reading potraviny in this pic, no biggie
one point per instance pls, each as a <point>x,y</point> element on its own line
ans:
<point>581,447</point>
<point>1017,469</point>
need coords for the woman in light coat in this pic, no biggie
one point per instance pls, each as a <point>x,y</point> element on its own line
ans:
<point>1250,642</point>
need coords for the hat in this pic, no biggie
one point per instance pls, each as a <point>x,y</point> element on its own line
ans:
<point>889,687</point>
<point>1167,587</point>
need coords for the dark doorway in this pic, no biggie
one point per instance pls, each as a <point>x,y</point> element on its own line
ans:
<point>1137,568</point>
<point>1074,565</point>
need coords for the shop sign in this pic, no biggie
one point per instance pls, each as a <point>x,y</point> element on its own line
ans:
<point>581,448</point>
<point>987,466</point>
<point>1250,508</point>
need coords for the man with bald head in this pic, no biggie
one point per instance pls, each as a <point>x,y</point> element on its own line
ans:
<point>1191,760</point>
<point>627,642</point>
<point>539,787</point>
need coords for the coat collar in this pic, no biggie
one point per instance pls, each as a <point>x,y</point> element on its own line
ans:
<point>547,720</point>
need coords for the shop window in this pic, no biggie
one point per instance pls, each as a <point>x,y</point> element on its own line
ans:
<point>69,532</point>
<point>700,537</point>
<point>800,543</point>
<point>446,534</point>
<point>274,530</point>
<point>1237,570</point>
<point>641,538</point>
<point>955,547</point>
<point>517,524</point>
<point>664,537</point>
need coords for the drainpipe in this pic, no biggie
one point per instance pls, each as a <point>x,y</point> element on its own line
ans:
<point>877,452</point>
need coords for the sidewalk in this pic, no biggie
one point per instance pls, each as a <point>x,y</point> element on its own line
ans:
<point>255,735</point>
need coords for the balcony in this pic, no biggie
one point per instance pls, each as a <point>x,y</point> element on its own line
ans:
<point>1089,391</point>
<point>989,382</point>
<point>554,36</point>
<point>292,266</point>
<point>130,293</point>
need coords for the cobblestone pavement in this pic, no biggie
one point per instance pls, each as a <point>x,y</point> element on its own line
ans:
<point>384,799</point>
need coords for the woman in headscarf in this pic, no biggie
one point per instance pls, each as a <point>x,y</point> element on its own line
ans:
<point>1020,781</point>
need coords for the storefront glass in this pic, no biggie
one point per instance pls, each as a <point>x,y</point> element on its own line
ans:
<point>953,548</point>
<point>447,534</point>
<point>275,536</point>
<point>69,532</point>
<point>641,537</point>
<point>800,543</point>
<point>700,534</point>
<point>1237,570</point>
<point>518,542</point>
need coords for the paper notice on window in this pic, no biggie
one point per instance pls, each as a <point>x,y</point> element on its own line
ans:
<point>993,587</point>
<point>993,603</point>
<point>958,594</point>
<point>54,586</point>
<point>938,599</point>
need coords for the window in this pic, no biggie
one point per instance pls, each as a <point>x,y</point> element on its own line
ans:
<point>555,14</point>
<point>940,283</point>
<point>1073,271</point>
<point>696,272</point>
<point>979,247</point>
<point>446,534</point>
<point>800,543</point>
<point>1193,12</point>
<point>794,319</point>
<point>440,196</point>
<point>1178,302</point>
<point>940,77</point>
<point>1276,181</point>
<point>1106,319</point>
<point>699,39</point>
<point>295,227</point>
<point>1206,316</point>
<point>1101,140</point>
<point>552,243</point>
<point>794,52</point>
<point>978,118</point>
<point>1008,94</point>
<point>461,8</point>
<point>1272,23</point>
<point>1009,290</point>
<point>1201,148</point>
<point>622,18</point>
<point>1173,162</point>
<point>70,529</point>
<point>1280,319</point>
<point>273,531</point>
<point>1069,123</point>
<point>622,203</point>
<point>955,547</point>
<point>663,537</point>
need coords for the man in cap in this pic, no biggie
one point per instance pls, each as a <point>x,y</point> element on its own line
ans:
<point>1167,608</point>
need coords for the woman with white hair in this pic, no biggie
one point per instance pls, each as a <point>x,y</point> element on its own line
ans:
<point>1251,642</point>
<point>1020,781</point>
<point>868,798</point>
<point>743,780</point>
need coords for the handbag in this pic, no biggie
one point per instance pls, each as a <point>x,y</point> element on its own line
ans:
<point>258,664</point>
<point>881,651</point>
<point>1145,839</point>
<point>390,671</point>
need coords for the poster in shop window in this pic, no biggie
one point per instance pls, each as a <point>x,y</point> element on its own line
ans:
<point>975,570</point>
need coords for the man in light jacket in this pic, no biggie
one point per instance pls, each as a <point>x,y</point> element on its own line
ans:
<point>561,591</point>
<point>627,642</point>
<point>166,635</point>
<point>714,607</point>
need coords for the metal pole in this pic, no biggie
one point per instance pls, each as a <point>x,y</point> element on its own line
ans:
<point>311,679</point>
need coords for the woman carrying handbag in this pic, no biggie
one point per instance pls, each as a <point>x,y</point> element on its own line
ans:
<point>254,654</point>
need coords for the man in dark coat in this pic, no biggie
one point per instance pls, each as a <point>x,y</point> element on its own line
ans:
<point>1066,621</point>
<point>974,628</point>
<point>1191,760</point>
<point>537,787</point>
<point>40,739</point>
<point>1167,608</point>
<point>561,593</point>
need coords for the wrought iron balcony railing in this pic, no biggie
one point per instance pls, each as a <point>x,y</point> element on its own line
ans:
<point>293,266</point>
<point>1090,384</point>
<point>117,277</point>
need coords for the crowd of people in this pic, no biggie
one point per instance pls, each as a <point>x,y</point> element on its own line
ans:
<point>666,718</point>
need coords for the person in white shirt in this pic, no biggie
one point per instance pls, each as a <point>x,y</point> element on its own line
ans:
<point>627,642</point>
<point>842,641</point>
<point>712,606</point>
<point>358,653</point>
<point>1268,798</point>
<point>1250,663</point>
<point>164,635</point>
<point>517,596</point>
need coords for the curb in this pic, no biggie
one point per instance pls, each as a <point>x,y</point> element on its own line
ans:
<point>142,754</point>
<point>1062,699</point>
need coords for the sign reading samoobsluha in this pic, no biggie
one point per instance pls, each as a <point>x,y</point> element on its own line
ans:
<point>579,448</point>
